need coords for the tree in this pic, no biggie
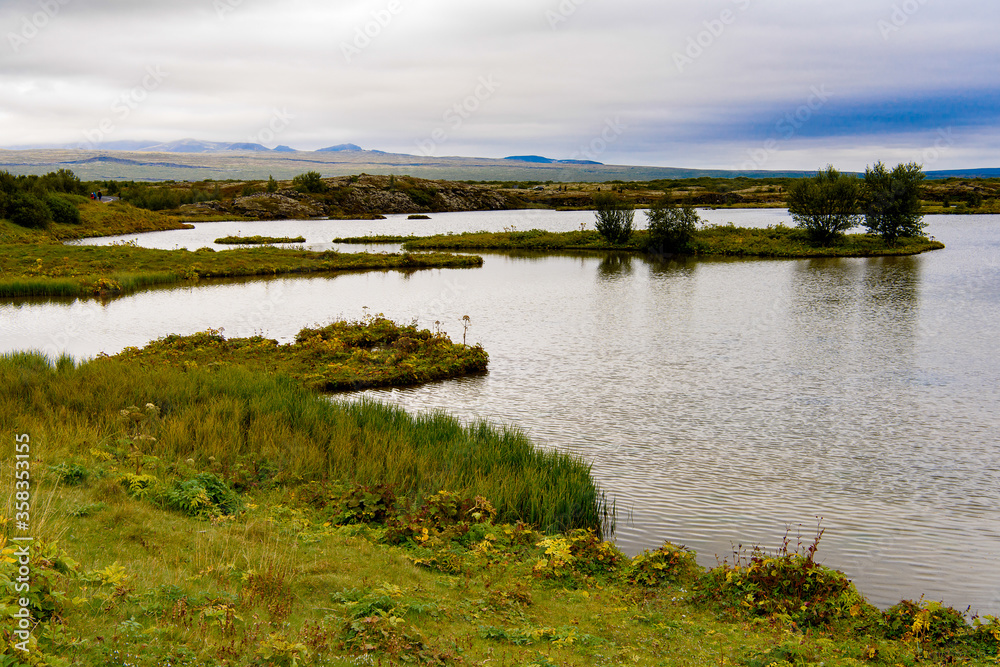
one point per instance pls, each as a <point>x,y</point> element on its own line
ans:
<point>614,217</point>
<point>311,181</point>
<point>272,185</point>
<point>826,205</point>
<point>892,201</point>
<point>670,227</point>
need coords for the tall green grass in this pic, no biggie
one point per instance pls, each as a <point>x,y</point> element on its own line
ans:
<point>232,419</point>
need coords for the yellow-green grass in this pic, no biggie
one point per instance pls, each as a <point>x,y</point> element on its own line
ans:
<point>96,219</point>
<point>118,578</point>
<point>57,270</point>
<point>341,356</point>
<point>726,240</point>
<point>261,426</point>
<point>259,240</point>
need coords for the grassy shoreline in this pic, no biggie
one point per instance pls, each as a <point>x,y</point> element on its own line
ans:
<point>713,241</point>
<point>216,515</point>
<point>74,271</point>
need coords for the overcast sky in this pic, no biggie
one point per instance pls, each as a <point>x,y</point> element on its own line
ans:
<point>769,84</point>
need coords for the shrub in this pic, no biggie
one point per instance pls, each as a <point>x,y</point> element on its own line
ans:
<point>614,217</point>
<point>785,584</point>
<point>670,227</point>
<point>578,552</point>
<point>311,181</point>
<point>205,494</point>
<point>29,211</point>
<point>63,211</point>
<point>70,474</point>
<point>665,565</point>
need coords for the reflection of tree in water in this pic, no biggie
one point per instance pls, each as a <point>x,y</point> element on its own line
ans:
<point>677,266</point>
<point>615,265</point>
<point>888,305</point>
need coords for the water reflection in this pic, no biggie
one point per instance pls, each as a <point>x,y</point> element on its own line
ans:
<point>615,265</point>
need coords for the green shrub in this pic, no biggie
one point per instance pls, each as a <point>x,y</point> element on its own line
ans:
<point>668,564</point>
<point>70,474</point>
<point>63,211</point>
<point>311,181</point>
<point>205,494</point>
<point>785,584</point>
<point>29,211</point>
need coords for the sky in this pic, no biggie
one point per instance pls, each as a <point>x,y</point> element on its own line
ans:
<point>725,84</point>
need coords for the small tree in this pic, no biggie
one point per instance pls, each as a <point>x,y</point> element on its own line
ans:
<point>670,227</point>
<point>311,181</point>
<point>826,205</point>
<point>272,185</point>
<point>614,217</point>
<point>892,201</point>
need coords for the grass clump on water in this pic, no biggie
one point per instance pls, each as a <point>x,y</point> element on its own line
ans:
<point>58,270</point>
<point>342,356</point>
<point>718,240</point>
<point>259,240</point>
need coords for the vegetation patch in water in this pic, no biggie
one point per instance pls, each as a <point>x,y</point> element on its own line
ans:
<point>259,240</point>
<point>342,356</point>
<point>58,270</point>
<point>728,240</point>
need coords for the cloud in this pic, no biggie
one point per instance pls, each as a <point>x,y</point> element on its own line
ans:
<point>696,84</point>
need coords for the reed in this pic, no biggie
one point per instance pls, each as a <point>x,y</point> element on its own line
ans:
<point>233,419</point>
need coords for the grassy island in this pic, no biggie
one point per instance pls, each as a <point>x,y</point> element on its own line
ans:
<point>213,514</point>
<point>259,240</point>
<point>341,356</point>
<point>57,270</point>
<point>718,240</point>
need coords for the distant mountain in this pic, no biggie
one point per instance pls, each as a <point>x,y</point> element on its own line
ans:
<point>538,159</point>
<point>965,173</point>
<point>284,149</point>
<point>199,146</point>
<point>340,148</point>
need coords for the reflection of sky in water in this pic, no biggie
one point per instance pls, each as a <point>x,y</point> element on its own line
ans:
<point>719,400</point>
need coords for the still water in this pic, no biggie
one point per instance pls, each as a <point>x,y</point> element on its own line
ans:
<point>720,401</point>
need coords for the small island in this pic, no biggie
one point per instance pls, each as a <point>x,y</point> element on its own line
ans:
<point>713,241</point>
<point>259,240</point>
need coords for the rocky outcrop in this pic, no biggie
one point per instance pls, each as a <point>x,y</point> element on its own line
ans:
<point>363,197</point>
<point>276,206</point>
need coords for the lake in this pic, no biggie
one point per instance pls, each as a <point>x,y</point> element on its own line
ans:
<point>720,401</point>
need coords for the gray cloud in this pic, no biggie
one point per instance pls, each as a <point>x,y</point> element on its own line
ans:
<point>696,84</point>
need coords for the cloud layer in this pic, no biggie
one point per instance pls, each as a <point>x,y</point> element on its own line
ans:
<point>774,84</point>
